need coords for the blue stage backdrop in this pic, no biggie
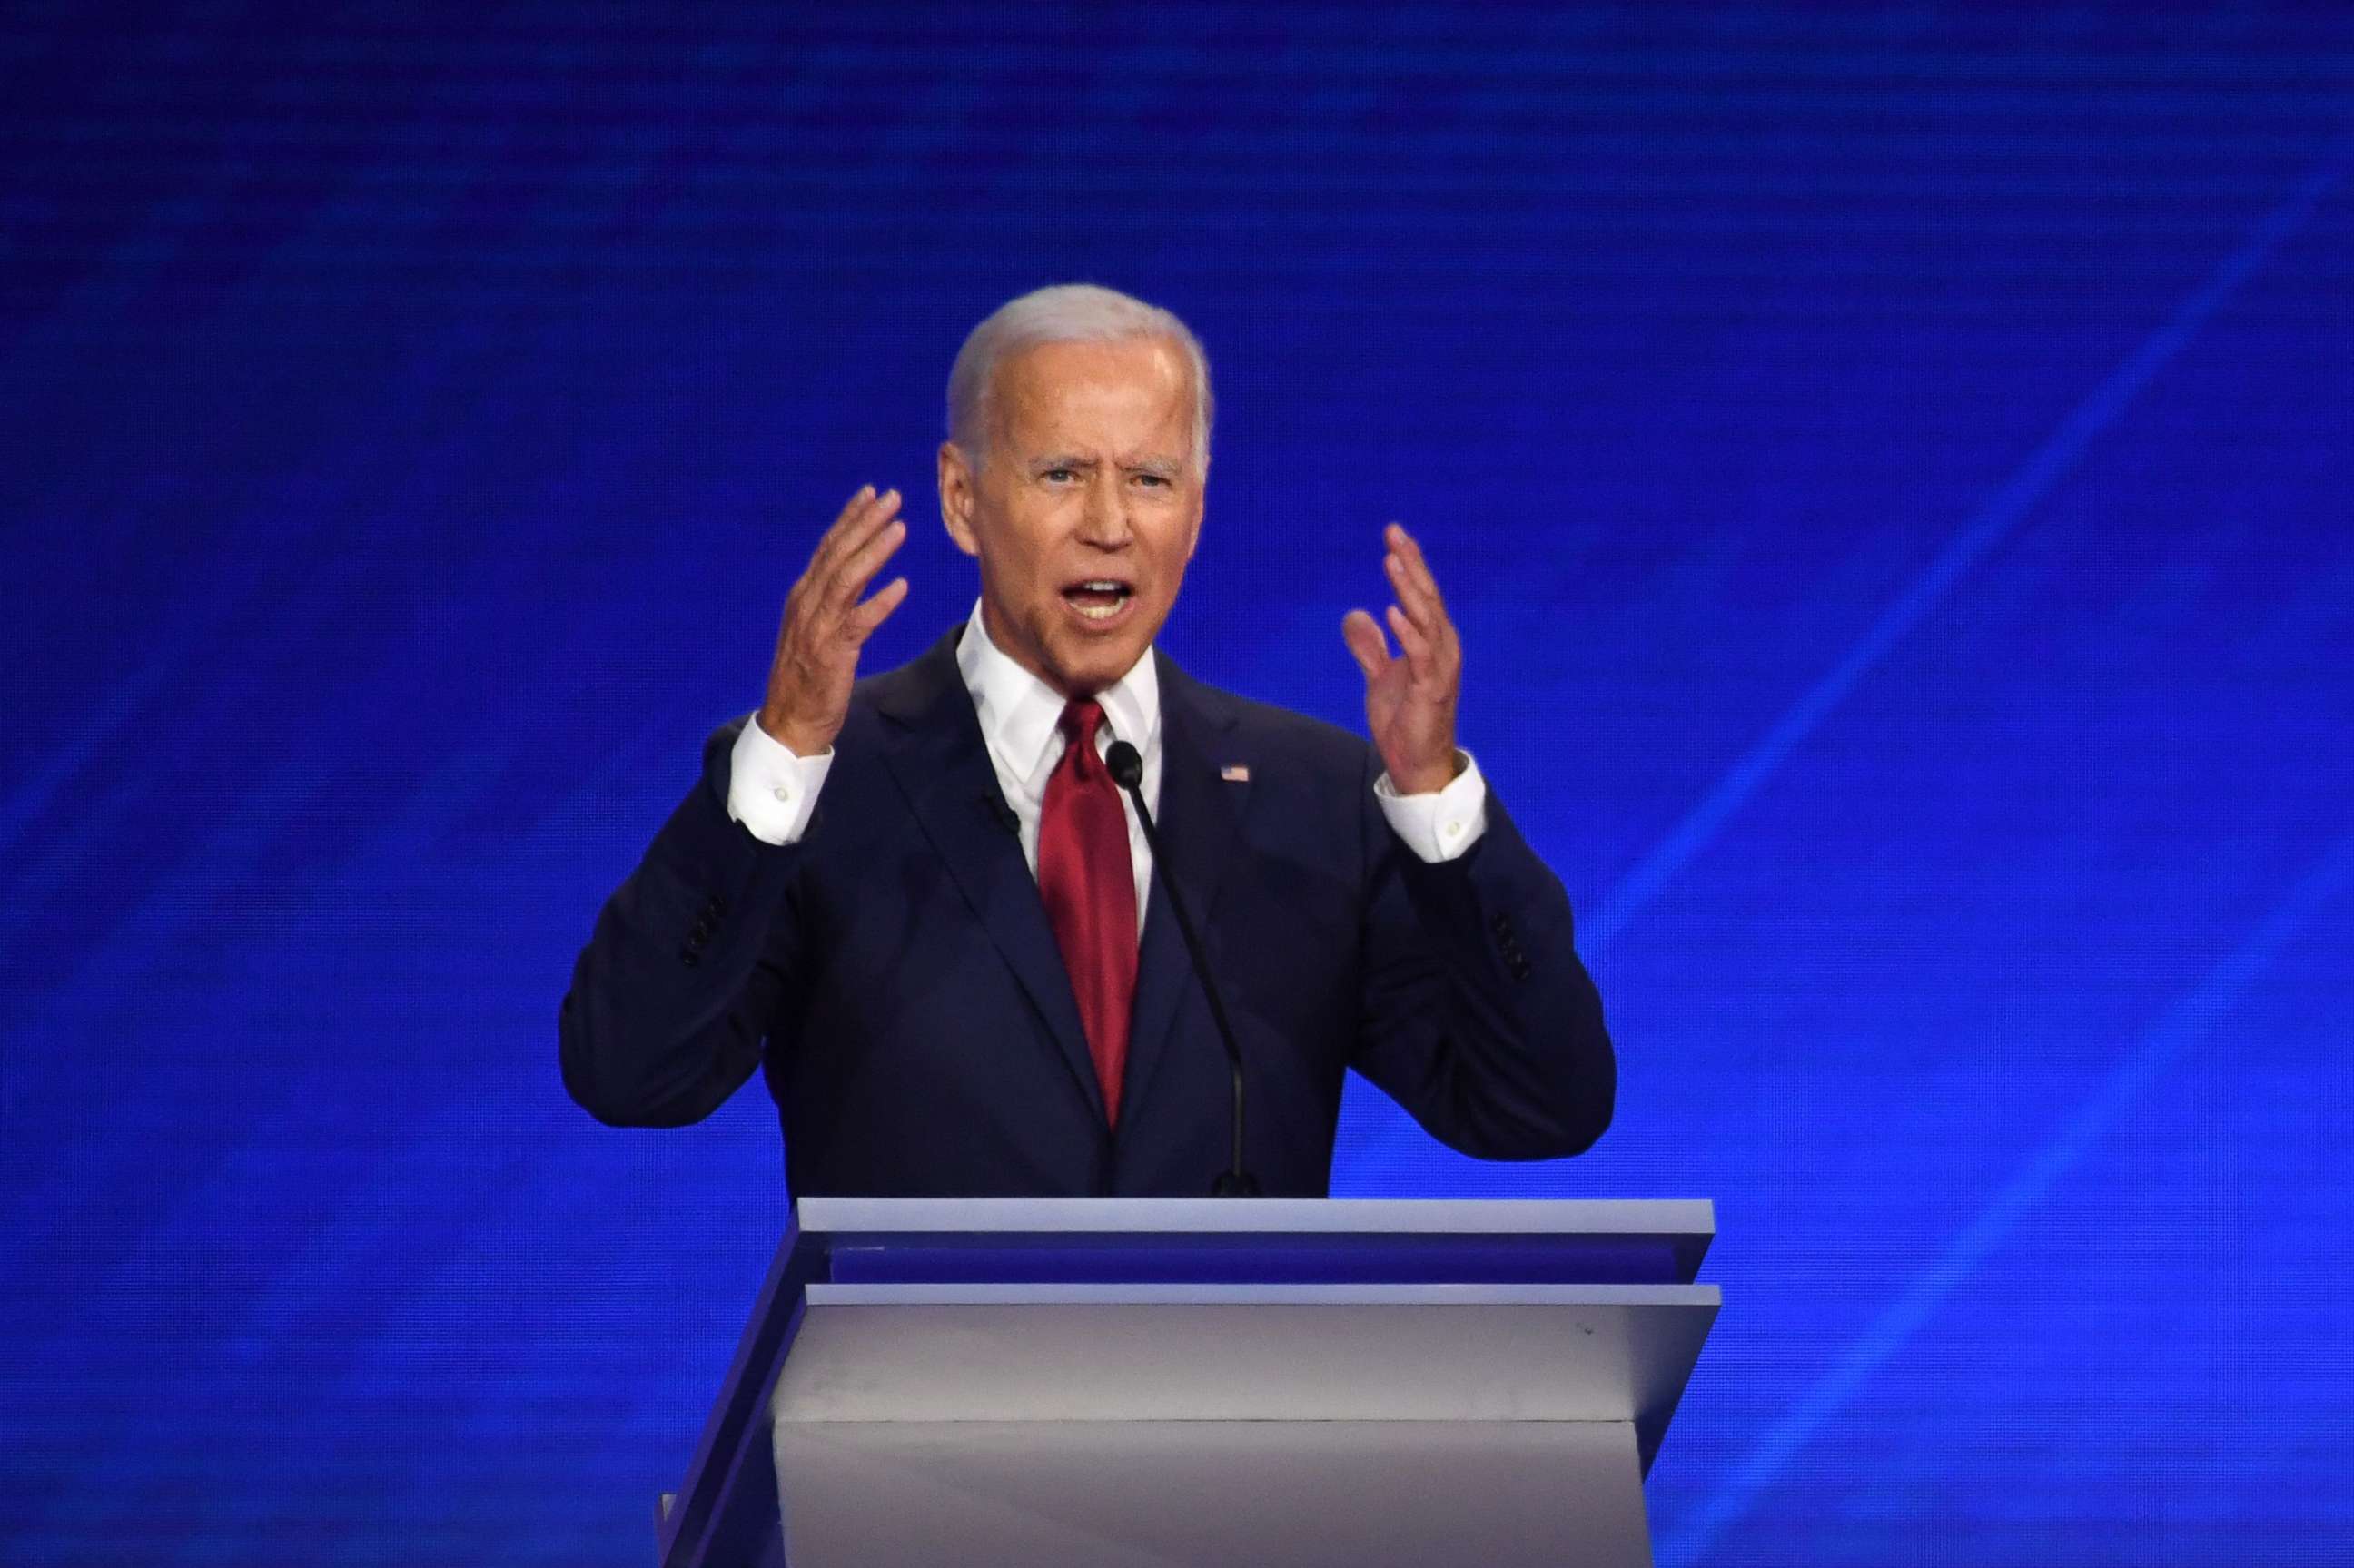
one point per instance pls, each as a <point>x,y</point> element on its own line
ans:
<point>1891,466</point>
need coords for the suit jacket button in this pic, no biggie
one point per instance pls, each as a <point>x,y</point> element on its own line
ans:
<point>689,956</point>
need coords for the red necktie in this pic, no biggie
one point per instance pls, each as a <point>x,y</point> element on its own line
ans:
<point>1089,886</point>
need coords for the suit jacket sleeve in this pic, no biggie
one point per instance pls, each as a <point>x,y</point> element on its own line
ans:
<point>1478,1016</point>
<point>688,964</point>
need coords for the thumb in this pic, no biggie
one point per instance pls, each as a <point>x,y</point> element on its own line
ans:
<point>1363,635</point>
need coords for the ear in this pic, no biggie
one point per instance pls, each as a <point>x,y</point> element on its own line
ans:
<point>957,500</point>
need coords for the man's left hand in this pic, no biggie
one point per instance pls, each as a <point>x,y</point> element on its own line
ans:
<point>1410,698</point>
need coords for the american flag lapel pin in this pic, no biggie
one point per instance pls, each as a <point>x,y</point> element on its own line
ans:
<point>1235,773</point>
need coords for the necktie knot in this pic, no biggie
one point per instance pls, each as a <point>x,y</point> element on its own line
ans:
<point>1080,722</point>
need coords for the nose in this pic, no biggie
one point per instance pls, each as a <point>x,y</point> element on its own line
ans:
<point>1104,522</point>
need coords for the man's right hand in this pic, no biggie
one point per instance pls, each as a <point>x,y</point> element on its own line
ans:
<point>826,624</point>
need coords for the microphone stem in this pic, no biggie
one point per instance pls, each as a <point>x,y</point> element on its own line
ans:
<point>1235,1182</point>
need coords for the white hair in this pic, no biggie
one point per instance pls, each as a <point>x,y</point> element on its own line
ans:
<point>1062,312</point>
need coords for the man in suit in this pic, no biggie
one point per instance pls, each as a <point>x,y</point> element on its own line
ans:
<point>921,904</point>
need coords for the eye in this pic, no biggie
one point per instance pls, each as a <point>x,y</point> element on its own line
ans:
<point>1153,481</point>
<point>1058,475</point>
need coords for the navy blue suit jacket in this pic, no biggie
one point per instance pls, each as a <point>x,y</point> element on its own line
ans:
<point>894,975</point>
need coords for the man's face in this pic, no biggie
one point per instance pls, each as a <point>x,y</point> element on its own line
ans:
<point>1085,507</point>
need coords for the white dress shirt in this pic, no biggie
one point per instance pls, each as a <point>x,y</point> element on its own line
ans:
<point>772,790</point>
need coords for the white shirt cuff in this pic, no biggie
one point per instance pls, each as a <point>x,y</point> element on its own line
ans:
<point>770,789</point>
<point>1440,826</point>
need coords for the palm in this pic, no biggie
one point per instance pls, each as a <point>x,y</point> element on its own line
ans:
<point>1391,715</point>
<point>825,623</point>
<point>1410,696</point>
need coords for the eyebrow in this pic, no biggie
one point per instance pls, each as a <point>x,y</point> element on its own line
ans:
<point>1165,466</point>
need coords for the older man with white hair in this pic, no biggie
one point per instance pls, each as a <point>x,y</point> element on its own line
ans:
<point>923,906</point>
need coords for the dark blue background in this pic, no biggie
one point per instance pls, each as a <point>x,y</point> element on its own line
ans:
<point>1891,467</point>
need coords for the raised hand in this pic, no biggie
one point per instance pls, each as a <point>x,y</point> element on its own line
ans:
<point>826,623</point>
<point>1410,698</point>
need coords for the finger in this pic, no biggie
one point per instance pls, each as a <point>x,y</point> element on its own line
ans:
<point>1417,572</point>
<point>1418,594</point>
<point>1415,578</point>
<point>1421,607</point>
<point>855,507</point>
<point>854,571</point>
<point>877,609</point>
<point>1363,635</point>
<point>866,512</point>
<point>858,499</point>
<point>1421,660</point>
<point>1403,545</point>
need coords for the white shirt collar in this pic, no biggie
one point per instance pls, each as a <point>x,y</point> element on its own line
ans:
<point>1021,715</point>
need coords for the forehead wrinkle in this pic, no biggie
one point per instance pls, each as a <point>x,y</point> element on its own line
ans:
<point>1162,403</point>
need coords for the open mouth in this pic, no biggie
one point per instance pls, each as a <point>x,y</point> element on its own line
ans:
<point>1098,599</point>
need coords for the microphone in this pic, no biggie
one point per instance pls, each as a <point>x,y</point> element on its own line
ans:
<point>1127,771</point>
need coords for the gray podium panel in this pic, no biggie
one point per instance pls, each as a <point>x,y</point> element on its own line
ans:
<point>1111,1381</point>
<point>1162,1494</point>
<point>1109,1424</point>
<point>1252,1352</point>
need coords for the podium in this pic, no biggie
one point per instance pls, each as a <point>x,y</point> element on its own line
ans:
<point>1054,1381</point>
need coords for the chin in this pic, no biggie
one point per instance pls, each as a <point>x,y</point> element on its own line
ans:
<point>1097,669</point>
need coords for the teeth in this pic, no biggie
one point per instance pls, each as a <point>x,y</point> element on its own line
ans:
<point>1118,592</point>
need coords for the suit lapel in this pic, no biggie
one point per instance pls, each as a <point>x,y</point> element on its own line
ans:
<point>1199,815</point>
<point>934,750</point>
